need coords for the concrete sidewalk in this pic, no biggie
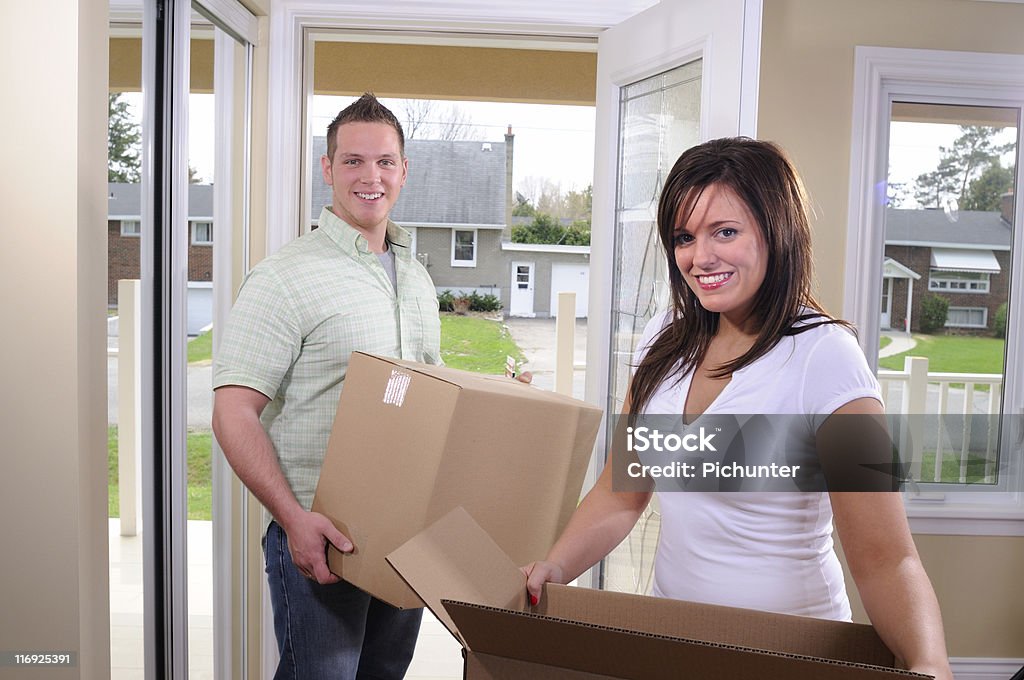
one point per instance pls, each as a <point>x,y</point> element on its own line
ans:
<point>901,342</point>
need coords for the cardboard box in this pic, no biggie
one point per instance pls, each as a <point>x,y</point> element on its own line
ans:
<point>411,442</point>
<point>578,633</point>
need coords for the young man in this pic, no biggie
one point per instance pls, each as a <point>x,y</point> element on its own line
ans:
<point>351,284</point>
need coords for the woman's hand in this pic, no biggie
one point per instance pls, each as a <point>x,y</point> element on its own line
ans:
<point>539,573</point>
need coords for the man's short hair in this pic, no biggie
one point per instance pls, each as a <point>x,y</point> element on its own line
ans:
<point>366,109</point>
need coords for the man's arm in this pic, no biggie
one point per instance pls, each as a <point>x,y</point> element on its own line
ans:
<point>249,451</point>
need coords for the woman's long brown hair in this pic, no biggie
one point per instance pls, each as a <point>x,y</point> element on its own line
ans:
<point>762,176</point>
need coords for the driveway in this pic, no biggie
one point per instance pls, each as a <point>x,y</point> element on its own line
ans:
<point>536,339</point>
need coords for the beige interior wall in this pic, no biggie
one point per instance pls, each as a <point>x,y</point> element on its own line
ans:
<point>805,104</point>
<point>53,350</point>
<point>443,72</point>
<point>126,65</point>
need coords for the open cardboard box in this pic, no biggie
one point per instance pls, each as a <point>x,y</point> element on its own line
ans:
<point>479,594</point>
<point>411,442</point>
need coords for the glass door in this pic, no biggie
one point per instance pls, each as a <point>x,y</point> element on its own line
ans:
<point>657,96</point>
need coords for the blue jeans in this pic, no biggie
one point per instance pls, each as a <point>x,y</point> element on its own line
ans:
<point>336,630</point>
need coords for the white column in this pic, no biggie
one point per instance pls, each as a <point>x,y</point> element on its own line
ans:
<point>565,342</point>
<point>129,406</point>
<point>915,399</point>
<point>910,302</point>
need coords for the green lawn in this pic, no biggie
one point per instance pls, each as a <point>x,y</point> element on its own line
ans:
<point>467,342</point>
<point>199,474</point>
<point>475,344</point>
<point>884,342</point>
<point>975,472</point>
<point>200,348</point>
<point>953,354</point>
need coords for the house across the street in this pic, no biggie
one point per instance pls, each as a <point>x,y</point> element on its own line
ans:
<point>457,203</point>
<point>964,258</point>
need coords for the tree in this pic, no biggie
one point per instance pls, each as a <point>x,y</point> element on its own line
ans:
<point>544,196</point>
<point>973,150</point>
<point>986,192</point>
<point>427,119</point>
<point>124,142</point>
<point>547,229</point>
<point>523,207</point>
<point>578,204</point>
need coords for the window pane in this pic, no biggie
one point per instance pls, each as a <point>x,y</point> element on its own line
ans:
<point>660,118</point>
<point>948,241</point>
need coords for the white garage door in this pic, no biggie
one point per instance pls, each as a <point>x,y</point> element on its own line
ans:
<point>570,278</point>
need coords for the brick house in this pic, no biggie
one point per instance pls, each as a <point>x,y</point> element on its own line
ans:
<point>124,219</point>
<point>965,260</point>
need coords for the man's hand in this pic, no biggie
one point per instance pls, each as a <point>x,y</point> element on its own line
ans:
<point>308,534</point>
<point>525,377</point>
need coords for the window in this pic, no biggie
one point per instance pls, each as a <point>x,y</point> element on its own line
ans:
<point>961,282</point>
<point>967,317</point>
<point>202,233</point>
<point>131,228</point>
<point>963,446</point>
<point>463,247</point>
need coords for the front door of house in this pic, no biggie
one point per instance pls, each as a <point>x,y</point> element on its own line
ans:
<point>887,303</point>
<point>521,296</point>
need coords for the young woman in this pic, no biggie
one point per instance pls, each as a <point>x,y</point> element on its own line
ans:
<point>744,335</point>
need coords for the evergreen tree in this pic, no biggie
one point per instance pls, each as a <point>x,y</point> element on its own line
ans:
<point>986,192</point>
<point>972,151</point>
<point>124,140</point>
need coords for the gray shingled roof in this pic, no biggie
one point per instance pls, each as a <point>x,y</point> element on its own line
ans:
<point>125,200</point>
<point>450,183</point>
<point>971,228</point>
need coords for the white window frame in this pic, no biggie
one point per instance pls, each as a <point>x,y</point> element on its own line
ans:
<point>194,228</point>
<point>138,228</point>
<point>984,317</point>
<point>476,247</point>
<point>936,279</point>
<point>882,75</point>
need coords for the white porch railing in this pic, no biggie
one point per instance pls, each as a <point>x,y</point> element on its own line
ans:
<point>916,392</point>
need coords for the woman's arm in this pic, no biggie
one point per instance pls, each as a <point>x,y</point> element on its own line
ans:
<point>893,586</point>
<point>601,522</point>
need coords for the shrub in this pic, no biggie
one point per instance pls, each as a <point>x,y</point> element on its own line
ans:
<point>934,310</point>
<point>483,303</point>
<point>445,301</point>
<point>999,322</point>
<point>477,302</point>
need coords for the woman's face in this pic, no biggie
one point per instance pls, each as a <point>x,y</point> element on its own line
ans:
<point>721,253</point>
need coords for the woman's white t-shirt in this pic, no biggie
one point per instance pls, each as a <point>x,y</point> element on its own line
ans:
<point>770,551</point>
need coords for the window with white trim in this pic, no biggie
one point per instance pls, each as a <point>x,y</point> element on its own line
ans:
<point>967,317</point>
<point>202,233</point>
<point>964,484</point>
<point>131,228</point>
<point>464,247</point>
<point>960,282</point>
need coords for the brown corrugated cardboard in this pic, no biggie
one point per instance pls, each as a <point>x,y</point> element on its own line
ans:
<point>411,442</point>
<point>588,634</point>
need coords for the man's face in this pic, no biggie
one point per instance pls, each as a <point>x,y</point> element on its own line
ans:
<point>366,174</point>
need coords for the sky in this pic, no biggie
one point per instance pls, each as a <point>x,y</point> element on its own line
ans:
<point>914,149</point>
<point>554,142</point>
<point>557,142</point>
